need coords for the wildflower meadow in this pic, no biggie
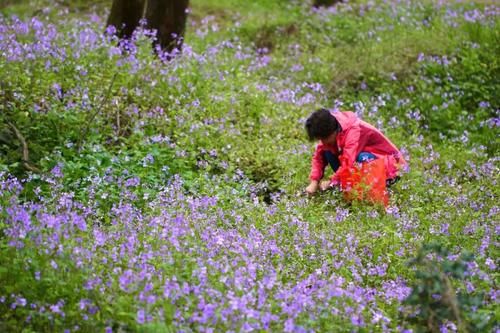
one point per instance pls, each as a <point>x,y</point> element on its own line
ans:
<point>146,193</point>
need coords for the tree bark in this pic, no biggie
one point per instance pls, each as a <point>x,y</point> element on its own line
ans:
<point>125,16</point>
<point>325,3</point>
<point>168,17</point>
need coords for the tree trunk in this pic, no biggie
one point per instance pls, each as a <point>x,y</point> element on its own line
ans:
<point>125,16</point>
<point>325,3</point>
<point>168,17</point>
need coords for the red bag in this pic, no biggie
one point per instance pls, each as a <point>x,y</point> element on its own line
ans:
<point>365,182</point>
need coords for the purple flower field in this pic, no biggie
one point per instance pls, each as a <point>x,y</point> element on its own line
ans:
<point>168,195</point>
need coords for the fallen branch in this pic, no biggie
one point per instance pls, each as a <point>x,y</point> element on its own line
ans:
<point>25,159</point>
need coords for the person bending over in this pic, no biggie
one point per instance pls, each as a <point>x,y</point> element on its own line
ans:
<point>344,139</point>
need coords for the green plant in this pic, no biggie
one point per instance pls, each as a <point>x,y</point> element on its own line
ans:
<point>434,296</point>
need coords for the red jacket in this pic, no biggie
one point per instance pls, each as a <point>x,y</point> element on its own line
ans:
<point>357,136</point>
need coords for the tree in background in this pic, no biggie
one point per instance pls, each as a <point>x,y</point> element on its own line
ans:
<point>167,17</point>
<point>125,16</point>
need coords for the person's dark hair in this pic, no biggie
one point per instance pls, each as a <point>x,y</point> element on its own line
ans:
<point>321,124</point>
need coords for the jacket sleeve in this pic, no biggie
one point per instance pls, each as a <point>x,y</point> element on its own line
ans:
<point>318,163</point>
<point>349,151</point>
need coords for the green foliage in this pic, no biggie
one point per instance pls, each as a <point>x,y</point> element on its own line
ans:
<point>434,297</point>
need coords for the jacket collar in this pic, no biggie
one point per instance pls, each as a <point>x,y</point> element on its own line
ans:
<point>346,119</point>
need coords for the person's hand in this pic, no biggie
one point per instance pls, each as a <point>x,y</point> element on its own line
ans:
<point>325,185</point>
<point>312,188</point>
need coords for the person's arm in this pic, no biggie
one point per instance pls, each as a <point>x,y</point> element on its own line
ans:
<point>318,164</point>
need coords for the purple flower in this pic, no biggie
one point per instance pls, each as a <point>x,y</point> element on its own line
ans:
<point>490,264</point>
<point>132,182</point>
<point>289,325</point>
<point>484,105</point>
<point>151,299</point>
<point>342,214</point>
<point>141,316</point>
<point>126,279</point>
<point>21,301</point>
<point>473,16</point>
<point>57,308</point>
<point>357,320</point>
<point>56,171</point>
<point>110,30</point>
<point>444,229</point>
